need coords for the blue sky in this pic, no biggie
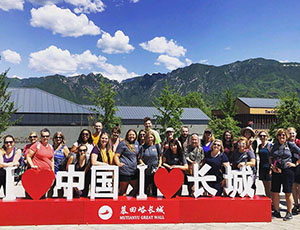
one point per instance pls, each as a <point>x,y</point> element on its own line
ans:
<point>126,38</point>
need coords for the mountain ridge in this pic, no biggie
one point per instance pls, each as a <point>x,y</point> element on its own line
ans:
<point>255,77</point>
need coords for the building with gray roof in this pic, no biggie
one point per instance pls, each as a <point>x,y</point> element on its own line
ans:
<point>260,113</point>
<point>38,109</point>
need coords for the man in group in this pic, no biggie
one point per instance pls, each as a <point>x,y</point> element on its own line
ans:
<point>184,137</point>
<point>148,127</point>
<point>97,133</point>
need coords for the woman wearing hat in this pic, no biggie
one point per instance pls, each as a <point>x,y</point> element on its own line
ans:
<point>249,133</point>
<point>169,136</point>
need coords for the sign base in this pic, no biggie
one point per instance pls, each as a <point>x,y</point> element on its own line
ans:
<point>127,210</point>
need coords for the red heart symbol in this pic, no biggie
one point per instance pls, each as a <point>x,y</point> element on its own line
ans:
<point>37,182</point>
<point>168,182</point>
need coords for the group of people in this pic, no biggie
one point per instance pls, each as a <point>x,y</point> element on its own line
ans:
<point>278,160</point>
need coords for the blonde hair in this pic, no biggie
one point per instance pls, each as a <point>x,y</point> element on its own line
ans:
<point>148,134</point>
<point>280,131</point>
<point>243,139</point>
<point>221,142</point>
<point>262,131</point>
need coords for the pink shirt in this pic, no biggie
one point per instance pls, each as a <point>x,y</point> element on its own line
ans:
<point>42,157</point>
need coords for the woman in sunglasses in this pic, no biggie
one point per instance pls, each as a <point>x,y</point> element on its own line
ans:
<point>41,154</point>
<point>33,137</point>
<point>8,157</point>
<point>142,137</point>
<point>244,156</point>
<point>216,159</point>
<point>292,137</point>
<point>282,164</point>
<point>265,170</point>
<point>85,138</point>
<point>82,164</point>
<point>61,152</point>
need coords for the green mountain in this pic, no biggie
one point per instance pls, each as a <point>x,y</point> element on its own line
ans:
<point>250,78</point>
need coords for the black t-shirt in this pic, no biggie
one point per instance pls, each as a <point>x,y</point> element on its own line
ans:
<point>216,164</point>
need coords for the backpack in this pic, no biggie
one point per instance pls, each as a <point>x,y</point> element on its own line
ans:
<point>20,169</point>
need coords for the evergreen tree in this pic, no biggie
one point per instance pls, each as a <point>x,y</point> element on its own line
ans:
<point>105,106</point>
<point>229,109</point>
<point>227,106</point>
<point>6,106</point>
<point>219,125</point>
<point>288,114</point>
<point>195,100</point>
<point>169,106</point>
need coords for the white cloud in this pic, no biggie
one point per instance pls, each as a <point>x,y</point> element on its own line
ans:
<point>134,1</point>
<point>63,21</point>
<point>203,61</point>
<point>7,5</point>
<point>82,6</point>
<point>188,61</point>
<point>163,46</point>
<point>87,6</point>
<point>115,72</point>
<point>44,2</point>
<point>55,60</point>
<point>227,48</point>
<point>11,56</point>
<point>170,63</point>
<point>114,45</point>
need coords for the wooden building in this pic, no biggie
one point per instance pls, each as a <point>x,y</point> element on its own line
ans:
<point>259,113</point>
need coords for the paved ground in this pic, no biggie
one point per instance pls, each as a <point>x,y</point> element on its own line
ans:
<point>276,223</point>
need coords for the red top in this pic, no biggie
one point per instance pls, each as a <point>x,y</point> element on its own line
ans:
<point>297,142</point>
<point>42,157</point>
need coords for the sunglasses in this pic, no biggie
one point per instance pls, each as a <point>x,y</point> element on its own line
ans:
<point>58,137</point>
<point>31,137</point>
<point>262,135</point>
<point>82,150</point>
<point>85,134</point>
<point>242,144</point>
<point>45,136</point>
<point>281,135</point>
<point>215,144</point>
<point>8,142</point>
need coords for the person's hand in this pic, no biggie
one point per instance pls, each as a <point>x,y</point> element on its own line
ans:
<point>34,167</point>
<point>276,169</point>
<point>121,165</point>
<point>242,164</point>
<point>16,164</point>
<point>290,164</point>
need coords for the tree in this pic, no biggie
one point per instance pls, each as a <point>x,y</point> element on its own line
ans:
<point>169,106</point>
<point>219,125</point>
<point>288,114</point>
<point>229,109</point>
<point>227,106</point>
<point>195,100</point>
<point>105,106</point>
<point>7,108</point>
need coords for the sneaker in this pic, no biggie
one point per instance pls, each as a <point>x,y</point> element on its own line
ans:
<point>276,214</point>
<point>288,216</point>
<point>295,210</point>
